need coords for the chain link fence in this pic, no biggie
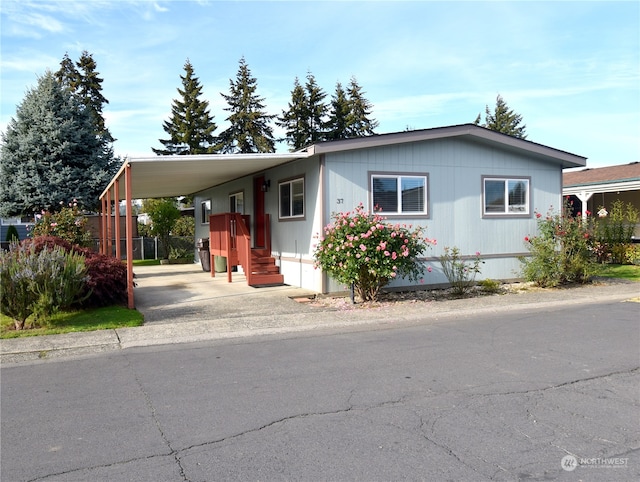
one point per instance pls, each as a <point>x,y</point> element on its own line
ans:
<point>181,247</point>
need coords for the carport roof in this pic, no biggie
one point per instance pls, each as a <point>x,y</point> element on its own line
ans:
<point>171,176</point>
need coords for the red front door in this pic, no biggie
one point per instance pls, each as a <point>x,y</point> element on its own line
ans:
<point>259,213</point>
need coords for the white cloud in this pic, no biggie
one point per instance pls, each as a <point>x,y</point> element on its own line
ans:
<point>159,8</point>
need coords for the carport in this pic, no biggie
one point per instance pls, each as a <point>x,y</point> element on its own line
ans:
<point>171,176</point>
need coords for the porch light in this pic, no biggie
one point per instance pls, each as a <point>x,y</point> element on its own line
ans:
<point>266,185</point>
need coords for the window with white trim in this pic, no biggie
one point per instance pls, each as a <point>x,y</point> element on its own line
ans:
<point>399,194</point>
<point>291,198</point>
<point>236,203</point>
<point>205,211</point>
<point>505,196</point>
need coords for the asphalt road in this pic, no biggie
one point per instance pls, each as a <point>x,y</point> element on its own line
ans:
<point>499,397</point>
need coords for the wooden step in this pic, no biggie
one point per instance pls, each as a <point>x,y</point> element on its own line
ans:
<point>266,279</point>
<point>264,271</point>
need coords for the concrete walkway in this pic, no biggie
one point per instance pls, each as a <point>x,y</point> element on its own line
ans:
<point>182,304</point>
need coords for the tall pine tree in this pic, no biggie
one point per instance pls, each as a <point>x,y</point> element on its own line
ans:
<point>503,119</point>
<point>305,119</point>
<point>317,110</point>
<point>249,129</point>
<point>295,120</point>
<point>51,153</point>
<point>83,81</point>
<point>191,125</point>
<point>359,122</point>
<point>338,114</point>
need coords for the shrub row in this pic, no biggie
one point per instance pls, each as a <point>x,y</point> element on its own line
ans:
<point>107,276</point>
<point>40,283</point>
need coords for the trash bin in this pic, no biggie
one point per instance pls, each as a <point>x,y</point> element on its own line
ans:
<point>203,253</point>
<point>220,264</point>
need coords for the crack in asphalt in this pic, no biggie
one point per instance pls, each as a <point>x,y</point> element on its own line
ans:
<point>628,371</point>
<point>101,466</point>
<point>425,427</point>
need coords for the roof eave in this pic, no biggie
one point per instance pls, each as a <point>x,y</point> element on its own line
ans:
<point>566,159</point>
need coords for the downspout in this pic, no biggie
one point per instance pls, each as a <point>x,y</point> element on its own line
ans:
<point>323,210</point>
<point>129,234</point>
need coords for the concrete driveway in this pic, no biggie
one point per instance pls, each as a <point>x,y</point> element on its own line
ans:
<point>184,292</point>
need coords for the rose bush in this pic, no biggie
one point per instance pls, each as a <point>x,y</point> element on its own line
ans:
<point>562,252</point>
<point>362,250</point>
<point>69,224</point>
<point>460,273</point>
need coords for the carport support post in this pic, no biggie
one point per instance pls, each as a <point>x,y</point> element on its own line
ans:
<point>109,230</point>
<point>103,225</point>
<point>129,234</point>
<point>116,200</point>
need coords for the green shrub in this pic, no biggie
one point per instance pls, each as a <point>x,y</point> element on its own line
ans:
<point>107,283</point>
<point>362,250</point>
<point>490,285</point>
<point>184,226</point>
<point>461,275</point>
<point>562,252</point>
<point>39,283</point>
<point>613,232</point>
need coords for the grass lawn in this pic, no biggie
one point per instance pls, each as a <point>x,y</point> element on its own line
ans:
<point>105,318</point>
<point>112,317</point>
<point>625,271</point>
<point>146,262</point>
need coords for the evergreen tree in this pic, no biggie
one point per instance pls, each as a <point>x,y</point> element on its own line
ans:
<point>68,75</point>
<point>338,113</point>
<point>305,119</point>
<point>358,122</point>
<point>89,89</point>
<point>249,130</point>
<point>51,154</point>
<point>317,110</point>
<point>503,120</point>
<point>191,125</point>
<point>295,120</point>
<point>83,81</point>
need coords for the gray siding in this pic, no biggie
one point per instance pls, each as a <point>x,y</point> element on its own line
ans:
<point>291,240</point>
<point>455,169</point>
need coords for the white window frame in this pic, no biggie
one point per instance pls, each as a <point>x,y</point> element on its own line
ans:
<point>300,197</point>
<point>508,210</point>
<point>399,177</point>
<point>239,202</point>
<point>205,211</point>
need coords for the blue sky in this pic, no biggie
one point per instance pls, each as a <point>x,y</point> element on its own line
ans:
<point>571,69</point>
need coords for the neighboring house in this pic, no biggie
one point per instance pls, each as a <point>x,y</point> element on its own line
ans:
<point>22,224</point>
<point>469,187</point>
<point>592,189</point>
